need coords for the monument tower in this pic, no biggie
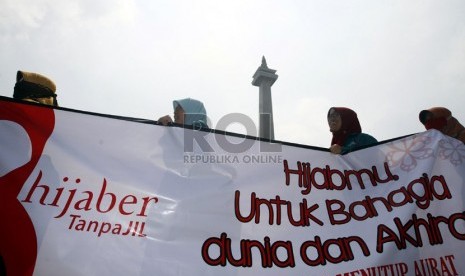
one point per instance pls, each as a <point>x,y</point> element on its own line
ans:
<point>264,78</point>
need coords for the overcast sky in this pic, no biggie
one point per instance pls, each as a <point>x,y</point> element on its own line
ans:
<point>387,60</point>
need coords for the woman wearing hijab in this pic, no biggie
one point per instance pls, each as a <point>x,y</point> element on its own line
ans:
<point>440,118</point>
<point>187,112</point>
<point>347,132</point>
<point>34,87</point>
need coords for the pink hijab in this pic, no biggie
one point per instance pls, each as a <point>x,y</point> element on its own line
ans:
<point>440,118</point>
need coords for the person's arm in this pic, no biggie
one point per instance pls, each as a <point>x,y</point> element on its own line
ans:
<point>357,141</point>
<point>336,149</point>
<point>165,120</point>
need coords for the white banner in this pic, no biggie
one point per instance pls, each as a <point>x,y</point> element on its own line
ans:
<point>83,194</point>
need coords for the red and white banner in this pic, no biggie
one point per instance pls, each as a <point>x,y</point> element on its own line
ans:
<point>83,194</point>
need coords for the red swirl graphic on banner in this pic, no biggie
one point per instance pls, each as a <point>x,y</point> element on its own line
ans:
<point>18,241</point>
